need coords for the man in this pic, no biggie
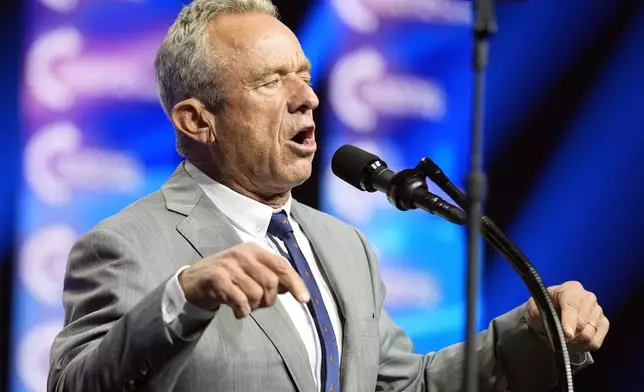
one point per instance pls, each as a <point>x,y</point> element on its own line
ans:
<point>222,282</point>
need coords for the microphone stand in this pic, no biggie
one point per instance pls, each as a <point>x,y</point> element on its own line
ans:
<point>522,265</point>
<point>484,27</point>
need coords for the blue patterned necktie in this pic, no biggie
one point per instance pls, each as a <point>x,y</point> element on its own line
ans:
<point>281,228</point>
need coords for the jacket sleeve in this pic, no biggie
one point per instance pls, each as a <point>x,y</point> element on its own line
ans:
<point>510,357</point>
<point>114,336</point>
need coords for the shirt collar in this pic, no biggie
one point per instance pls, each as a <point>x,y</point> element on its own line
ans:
<point>246,214</point>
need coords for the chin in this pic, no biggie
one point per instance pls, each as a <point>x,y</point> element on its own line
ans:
<point>298,173</point>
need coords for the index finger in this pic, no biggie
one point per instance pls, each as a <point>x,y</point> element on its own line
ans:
<point>288,277</point>
<point>569,304</point>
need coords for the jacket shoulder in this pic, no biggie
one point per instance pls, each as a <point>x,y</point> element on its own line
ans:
<point>148,214</point>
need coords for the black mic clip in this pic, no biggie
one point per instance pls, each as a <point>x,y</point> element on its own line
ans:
<point>408,190</point>
<point>405,186</point>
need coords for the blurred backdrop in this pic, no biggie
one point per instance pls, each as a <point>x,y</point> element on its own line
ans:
<point>82,136</point>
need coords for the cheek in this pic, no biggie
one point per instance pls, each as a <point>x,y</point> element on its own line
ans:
<point>270,111</point>
<point>261,125</point>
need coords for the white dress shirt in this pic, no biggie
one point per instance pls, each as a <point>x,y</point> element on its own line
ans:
<point>250,219</point>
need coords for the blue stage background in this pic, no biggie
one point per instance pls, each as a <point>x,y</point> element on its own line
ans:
<point>564,147</point>
<point>95,140</point>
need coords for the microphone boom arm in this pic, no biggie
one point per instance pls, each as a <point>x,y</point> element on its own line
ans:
<point>521,264</point>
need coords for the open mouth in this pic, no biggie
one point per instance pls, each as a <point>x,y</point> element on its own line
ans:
<point>305,137</point>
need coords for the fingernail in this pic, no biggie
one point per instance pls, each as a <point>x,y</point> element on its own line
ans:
<point>569,332</point>
<point>305,296</point>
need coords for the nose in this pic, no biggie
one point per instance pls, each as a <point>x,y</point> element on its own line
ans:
<point>303,99</point>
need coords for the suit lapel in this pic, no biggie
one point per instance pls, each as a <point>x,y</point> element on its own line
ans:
<point>277,326</point>
<point>339,281</point>
<point>208,230</point>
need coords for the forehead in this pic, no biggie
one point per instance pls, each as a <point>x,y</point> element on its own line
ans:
<point>256,40</point>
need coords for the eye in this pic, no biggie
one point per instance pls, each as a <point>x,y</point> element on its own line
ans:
<point>307,80</point>
<point>273,82</point>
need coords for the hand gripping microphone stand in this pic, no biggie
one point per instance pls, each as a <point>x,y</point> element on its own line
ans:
<point>407,190</point>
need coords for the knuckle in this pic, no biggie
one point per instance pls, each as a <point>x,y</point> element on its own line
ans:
<point>241,259</point>
<point>235,300</point>
<point>581,323</point>
<point>575,284</point>
<point>239,300</point>
<point>245,248</point>
<point>252,247</point>
<point>272,281</point>
<point>255,293</point>
<point>280,267</point>
<point>216,277</point>
<point>270,296</point>
<point>235,253</point>
<point>586,335</point>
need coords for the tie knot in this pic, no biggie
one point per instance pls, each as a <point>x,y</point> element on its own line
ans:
<point>279,224</point>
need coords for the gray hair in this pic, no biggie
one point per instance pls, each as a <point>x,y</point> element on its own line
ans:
<point>186,64</point>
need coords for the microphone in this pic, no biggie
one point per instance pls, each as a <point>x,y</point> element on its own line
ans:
<point>406,190</point>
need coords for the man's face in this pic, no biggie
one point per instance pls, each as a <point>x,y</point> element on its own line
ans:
<point>265,134</point>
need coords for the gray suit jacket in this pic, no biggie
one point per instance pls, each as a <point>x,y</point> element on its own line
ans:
<point>115,339</point>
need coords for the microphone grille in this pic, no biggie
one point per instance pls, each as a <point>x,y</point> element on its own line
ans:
<point>351,164</point>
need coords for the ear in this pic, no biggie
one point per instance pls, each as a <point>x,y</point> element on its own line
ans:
<point>192,119</point>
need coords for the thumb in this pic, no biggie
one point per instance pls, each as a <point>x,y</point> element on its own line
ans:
<point>532,311</point>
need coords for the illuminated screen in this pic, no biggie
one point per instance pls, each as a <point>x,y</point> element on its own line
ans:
<point>399,85</point>
<point>95,139</point>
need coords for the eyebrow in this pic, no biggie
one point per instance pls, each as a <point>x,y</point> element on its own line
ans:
<point>306,66</point>
<point>281,69</point>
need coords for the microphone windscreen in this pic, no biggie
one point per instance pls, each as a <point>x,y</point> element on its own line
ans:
<point>349,163</point>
